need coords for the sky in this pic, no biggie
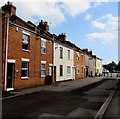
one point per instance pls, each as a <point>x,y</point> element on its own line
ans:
<point>91,24</point>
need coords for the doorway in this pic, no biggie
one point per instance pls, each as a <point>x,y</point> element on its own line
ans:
<point>10,76</point>
<point>54,74</point>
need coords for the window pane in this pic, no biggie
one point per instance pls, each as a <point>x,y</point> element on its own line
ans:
<point>42,72</point>
<point>24,64</point>
<point>43,46</point>
<point>61,52</point>
<point>25,46</point>
<point>42,66</point>
<point>61,70</point>
<point>24,69</point>
<point>25,42</point>
<point>68,70</point>
<point>43,69</point>
<point>24,73</point>
<point>68,54</point>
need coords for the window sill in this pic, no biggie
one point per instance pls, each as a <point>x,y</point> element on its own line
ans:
<point>68,74</point>
<point>43,76</point>
<point>25,50</point>
<point>43,53</point>
<point>24,77</point>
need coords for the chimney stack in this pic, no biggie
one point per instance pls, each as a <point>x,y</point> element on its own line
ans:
<point>85,50</point>
<point>90,53</point>
<point>44,25</point>
<point>9,8</point>
<point>62,36</point>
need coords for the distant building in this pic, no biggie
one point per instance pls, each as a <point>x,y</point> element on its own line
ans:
<point>93,64</point>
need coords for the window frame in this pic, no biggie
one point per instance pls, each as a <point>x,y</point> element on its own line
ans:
<point>28,41</point>
<point>68,70</point>
<point>78,70</point>
<point>68,54</point>
<point>24,60</point>
<point>43,46</point>
<point>43,69</point>
<point>61,52</point>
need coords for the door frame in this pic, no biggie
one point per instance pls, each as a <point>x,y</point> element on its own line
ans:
<point>12,62</point>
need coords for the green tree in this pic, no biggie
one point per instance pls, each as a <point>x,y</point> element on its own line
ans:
<point>111,66</point>
<point>118,66</point>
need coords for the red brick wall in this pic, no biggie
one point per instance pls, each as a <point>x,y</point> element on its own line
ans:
<point>79,63</point>
<point>34,56</point>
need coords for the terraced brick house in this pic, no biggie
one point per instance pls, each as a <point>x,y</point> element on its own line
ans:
<point>27,51</point>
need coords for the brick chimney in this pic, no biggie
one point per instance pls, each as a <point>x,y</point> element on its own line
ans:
<point>62,36</point>
<point>85,50</point>
<point>9,8</point>
<point>44,25</point>
<point>90,53</point>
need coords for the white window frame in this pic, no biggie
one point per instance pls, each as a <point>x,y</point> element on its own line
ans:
<point>78,56</point>
<point>43,46</point>
<point>28,42</point>
<point>68,70</point>
<point>11,60</point>
<point>27,61</point>
<point>61,52</point>
<point>43,62</point>
<point>68,54</point>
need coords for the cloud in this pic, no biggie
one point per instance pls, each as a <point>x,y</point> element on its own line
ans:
<point>108,24</point>
<point>75,7</point>
<point>88,16</point>
<point>106,38</point>
<point>99,25</point>
<point>53,11</point>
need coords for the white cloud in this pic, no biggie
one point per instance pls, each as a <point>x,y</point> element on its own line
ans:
<point>75,7</point>
<point>106,38</point>
<point>49,10</point>
<point>99,25</point>
<point>108,24</point>
<point>88,16</point>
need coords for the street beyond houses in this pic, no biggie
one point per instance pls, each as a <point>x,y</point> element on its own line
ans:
<point>77,98</point>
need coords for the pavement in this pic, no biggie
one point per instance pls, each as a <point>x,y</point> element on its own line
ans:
<point>113,110</point>
<point>58,87</point>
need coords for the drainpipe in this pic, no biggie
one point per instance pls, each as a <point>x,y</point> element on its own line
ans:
<point>6,54</point>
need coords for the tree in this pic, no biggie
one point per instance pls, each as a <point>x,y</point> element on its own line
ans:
<point>118,66</point>
<point>111,66</point>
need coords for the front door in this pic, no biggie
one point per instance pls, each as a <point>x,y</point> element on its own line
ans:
<point>54,74</point>
<point>10,76</point>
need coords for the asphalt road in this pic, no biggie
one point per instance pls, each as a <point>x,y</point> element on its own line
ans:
<point>83,102</point>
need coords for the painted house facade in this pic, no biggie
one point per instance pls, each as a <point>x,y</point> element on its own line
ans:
<point>63,59</point>
<point>27,51</point>
<point>79,63</point>
<point>98,66</point>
